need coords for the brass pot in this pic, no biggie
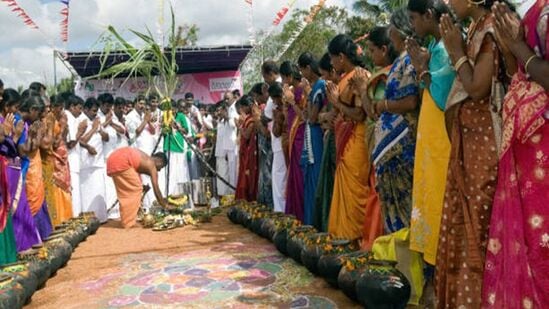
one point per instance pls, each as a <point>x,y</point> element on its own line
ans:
<point>148,221</point>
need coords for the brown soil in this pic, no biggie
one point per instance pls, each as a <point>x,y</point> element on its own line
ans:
<point>94,258</point>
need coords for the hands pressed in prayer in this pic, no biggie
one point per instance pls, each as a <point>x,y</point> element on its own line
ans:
<point>18,131</point>
<point>333,93</point>
<point>306,86</point>
<point>8,124</point>
<point>148,116</point>
<point>96,123</point>
<point>108,119</point>
<point>82,126</point>
<point>288,95</point>
<point>509,31</point>
<point>359,83</point>
<point>418,55</point>
<point>451,35</point>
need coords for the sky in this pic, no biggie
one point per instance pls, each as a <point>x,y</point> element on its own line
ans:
<point>26,54</point>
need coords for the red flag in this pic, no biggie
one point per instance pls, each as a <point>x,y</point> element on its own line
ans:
<point>280,15</point>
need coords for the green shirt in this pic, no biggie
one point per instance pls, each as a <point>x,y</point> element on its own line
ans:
<point>174,142</point>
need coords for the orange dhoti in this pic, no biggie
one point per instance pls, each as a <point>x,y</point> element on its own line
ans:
<point>128,190</point>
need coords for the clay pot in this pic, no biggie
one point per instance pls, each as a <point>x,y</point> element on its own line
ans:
<point>313,250</point>
<point>11,291</point>
<point>24,276</point>
<point>347,279</point>
<point>231,214</point>
<point>37,264</point>
<point>296,241</point>
<point>255,225</point>
<point>59,252</point>
<point>383,286</point>
<point>280,240</point>
<point>268,228</point>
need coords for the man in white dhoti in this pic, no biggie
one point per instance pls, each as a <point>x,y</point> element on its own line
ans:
<point>271,76</point>
<point>92,163</point>
<point>77,125</point>
<point>221,162</point>
<point>113,129</point>
<point>231,140</point>
<point>178,151</point>
<point>194,115</point>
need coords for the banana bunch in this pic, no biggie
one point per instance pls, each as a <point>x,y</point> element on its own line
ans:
<point>178,201</point>
<point>167,119</point>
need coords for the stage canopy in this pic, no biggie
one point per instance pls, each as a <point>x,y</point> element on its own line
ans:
<point>189,60</point>
<point>205,72</point>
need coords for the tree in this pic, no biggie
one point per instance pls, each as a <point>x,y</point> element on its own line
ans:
<point>314,38</point>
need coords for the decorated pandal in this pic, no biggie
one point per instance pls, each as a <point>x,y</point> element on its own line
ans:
<point>373,283</point>
<point>19,280</point>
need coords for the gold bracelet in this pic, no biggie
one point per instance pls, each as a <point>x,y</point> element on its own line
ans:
<point>386,106</point>
<point>528,62</point>
<point>461,61</point>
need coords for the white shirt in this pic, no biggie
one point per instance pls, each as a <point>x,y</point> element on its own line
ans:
<point>112,143</point>
<point>133,121</point>
<point>145,141</point>
<point>86,159</point>
<point>222,129</point>
<point>231,136</point>
<point>208,122</point>
<point>74,153</point>
<point>121,139</point>
<point>276,142</point>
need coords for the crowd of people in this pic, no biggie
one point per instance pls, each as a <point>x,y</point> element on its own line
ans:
<point>54,163</point>
<point>439,153</point>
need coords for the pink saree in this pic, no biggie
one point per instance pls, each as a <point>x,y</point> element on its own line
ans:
<point>517,259</point>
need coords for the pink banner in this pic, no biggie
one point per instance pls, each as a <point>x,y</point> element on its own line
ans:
<point>208,88</point>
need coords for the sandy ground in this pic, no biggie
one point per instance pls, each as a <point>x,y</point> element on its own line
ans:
<point>100,253</point>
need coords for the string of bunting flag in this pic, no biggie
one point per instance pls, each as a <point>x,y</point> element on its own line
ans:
<point>276,21</point>
<point>27,20</point>
<point>301,26</point>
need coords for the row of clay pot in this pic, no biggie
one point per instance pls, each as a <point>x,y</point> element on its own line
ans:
<point>373,283</point>
<point>19,280</point>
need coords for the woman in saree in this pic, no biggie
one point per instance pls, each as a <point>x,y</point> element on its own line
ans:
<point>26,233</point>
<point>473,124</point>
<point>8,149</point>
<point>517,259</point>
<point>246,188</point>
<point>32,111</point>
<point>311,158</point>
<point>436,75</point>
<point>325,186</point>
<point>393,154</point>
<point>372,90</point>
<point>351,190</point>
<point>295,119</point>
<point>61,181</point>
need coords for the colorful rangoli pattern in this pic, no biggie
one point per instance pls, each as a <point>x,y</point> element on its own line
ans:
<point>231,275</point>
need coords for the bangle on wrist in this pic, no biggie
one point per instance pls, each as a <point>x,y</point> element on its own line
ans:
<point>422,75</point>
<point>386,106</point>
<point>528,62</point>
<point>461,61</point>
